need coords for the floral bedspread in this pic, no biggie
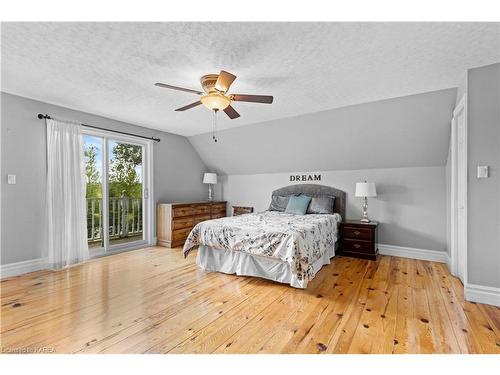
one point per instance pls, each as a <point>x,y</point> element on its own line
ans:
<point>299,240</point>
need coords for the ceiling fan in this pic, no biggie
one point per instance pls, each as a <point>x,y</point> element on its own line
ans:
<point>214,95</point>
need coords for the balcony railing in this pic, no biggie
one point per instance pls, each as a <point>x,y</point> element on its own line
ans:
<point>125,218</point>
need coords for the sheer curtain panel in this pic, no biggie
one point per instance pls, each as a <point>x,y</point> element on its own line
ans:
<point>66,189</point>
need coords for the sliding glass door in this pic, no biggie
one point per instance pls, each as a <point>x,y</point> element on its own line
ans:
<point>125,192</point>
<point>118,209</point>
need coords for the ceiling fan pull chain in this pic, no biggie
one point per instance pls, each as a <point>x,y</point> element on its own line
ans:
<point>215,124</point>
<point>214,127</point>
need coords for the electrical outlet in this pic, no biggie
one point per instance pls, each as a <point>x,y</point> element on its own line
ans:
<point>11,179</point>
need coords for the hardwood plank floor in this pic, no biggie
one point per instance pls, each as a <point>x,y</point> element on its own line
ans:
<point>154,301</point>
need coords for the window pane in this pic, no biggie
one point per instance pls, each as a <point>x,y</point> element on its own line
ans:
<point>125,192</point>
<point>93,147</point>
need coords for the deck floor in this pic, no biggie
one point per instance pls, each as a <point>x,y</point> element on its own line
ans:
<point>154,301</point>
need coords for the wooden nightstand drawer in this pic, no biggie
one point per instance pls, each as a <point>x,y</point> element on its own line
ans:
<point>357,233</point>
<point>358,246</point>
<point>240,210</point>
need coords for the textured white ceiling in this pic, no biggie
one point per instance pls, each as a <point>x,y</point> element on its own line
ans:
<point>109,68</point>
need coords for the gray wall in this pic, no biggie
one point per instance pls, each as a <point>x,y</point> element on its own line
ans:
<point>410,204</point>
<point>410,131</point>
<point>401,144</point>
<point>177,166</point>
<point>483,121</point>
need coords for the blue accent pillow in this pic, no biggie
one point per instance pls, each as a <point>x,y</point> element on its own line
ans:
<point>298,204</point>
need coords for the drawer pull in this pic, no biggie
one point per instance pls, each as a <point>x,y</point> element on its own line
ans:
<point>357,245</point>
<point>357,232</point>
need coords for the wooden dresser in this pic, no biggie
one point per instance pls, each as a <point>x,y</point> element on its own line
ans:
<point>174,221</point>
<point>358,239</point>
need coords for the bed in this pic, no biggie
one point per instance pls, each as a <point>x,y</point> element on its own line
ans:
<point>274,245</point>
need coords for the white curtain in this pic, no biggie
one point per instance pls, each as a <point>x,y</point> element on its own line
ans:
<point>66,189</point>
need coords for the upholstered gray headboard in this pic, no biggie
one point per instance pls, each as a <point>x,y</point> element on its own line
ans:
<point>312,190</point>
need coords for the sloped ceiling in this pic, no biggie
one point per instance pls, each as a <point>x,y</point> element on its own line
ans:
<point>109,68</point>
<point>408,131</point>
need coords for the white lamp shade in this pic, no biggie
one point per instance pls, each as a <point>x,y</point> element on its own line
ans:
<point>365,189</point>
<point>210,178</point>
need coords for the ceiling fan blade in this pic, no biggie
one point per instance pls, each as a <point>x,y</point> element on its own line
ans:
<point>267,99</point>
<point>224,81</point>
<point>177,88</point>
<point>231,112</point>
<point>189,106</point>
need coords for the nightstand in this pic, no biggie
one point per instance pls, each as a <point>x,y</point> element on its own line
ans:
<point>358,239</point>
<point>240,210</point>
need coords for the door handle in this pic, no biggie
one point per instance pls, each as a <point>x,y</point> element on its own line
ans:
<point>357,246</point>
<point>357,232</point>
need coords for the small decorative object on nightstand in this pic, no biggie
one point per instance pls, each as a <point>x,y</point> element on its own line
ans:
<point>365,190</point>
<point>358,239</point>
<point>210,179</point>
<point>240,210</point>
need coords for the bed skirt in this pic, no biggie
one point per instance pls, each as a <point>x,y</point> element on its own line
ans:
<point>243,264</point>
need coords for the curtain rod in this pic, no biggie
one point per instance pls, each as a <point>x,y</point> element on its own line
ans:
<point>41,116</point>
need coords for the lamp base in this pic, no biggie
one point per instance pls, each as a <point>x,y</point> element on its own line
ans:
<point>365,211</point>
<point>210,196</point>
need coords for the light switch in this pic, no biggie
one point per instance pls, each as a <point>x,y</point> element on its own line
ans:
<point>482,171</point>
<point>11,179</point>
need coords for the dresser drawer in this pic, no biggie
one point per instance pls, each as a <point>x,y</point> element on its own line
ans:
<point>218,207</point>
<point>180,234</point>
<point>357,233</point>
<point>182,222</point>
<point>199,210</point>
<point>358,246</point>
<point>199,218</point>
<point>182,211</point>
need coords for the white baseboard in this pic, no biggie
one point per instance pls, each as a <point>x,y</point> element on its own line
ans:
<point>18,268</point>
<point>482,294</point>
<point>413,253</point>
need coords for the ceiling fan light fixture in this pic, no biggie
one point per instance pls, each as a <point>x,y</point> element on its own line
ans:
<point>215,101</point>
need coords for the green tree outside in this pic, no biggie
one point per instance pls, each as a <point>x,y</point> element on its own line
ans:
<point>124,182</point>
<point>94,186</point>
<point>124,179</point>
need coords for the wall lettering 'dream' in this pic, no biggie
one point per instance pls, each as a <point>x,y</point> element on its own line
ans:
<point>305,177</point>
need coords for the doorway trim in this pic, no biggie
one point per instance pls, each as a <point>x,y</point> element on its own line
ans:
<point>457,232</point>
<point>148,190</point>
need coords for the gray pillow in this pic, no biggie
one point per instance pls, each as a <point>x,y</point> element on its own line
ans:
<point>321,205</point>
<point>278,203</point>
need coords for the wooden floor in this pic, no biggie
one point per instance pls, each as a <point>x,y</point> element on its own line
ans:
<point>152,300</point>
